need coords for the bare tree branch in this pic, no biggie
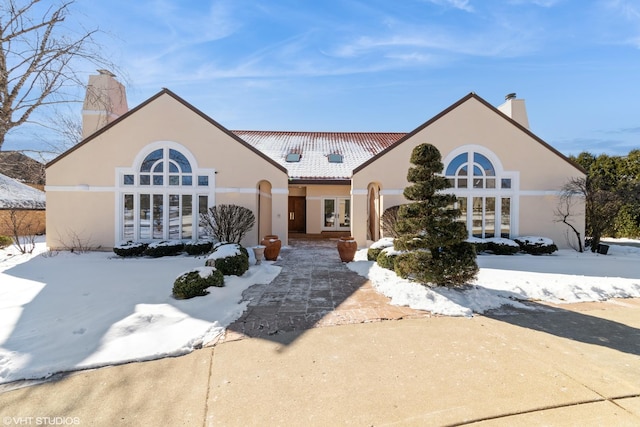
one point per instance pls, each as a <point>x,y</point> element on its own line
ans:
<point>38,59</point>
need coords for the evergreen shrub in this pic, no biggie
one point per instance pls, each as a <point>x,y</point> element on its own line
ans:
<point>377,247</point>
<point>130,249</point>
<point>230,258</point>
<point>198,247</point>
<point>534,245</point>
<point>194,283</point>
<point>164,248</point>
<point>5,241</point>
<point>387,258</point>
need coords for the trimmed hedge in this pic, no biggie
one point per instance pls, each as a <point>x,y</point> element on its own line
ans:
<point>194,283</point>
<point>164,248</point>
<point>536,245</point>
<point>377,247</point>
<point>130,249</point>
<point>198,247</point>
<point>230,258</point>
<point>387,258</point>
<point>501,246</point>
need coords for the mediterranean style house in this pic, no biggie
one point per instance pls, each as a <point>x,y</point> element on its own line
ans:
<point>147,173</point>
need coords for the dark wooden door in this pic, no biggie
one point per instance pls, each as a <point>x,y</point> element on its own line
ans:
<point>297,214</point>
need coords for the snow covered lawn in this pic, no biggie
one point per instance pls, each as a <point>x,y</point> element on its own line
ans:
<point>563,277</point>
<point>72,311</point>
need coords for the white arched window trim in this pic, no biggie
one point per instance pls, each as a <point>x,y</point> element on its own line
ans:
<point>499,193</point>
<point>124,186</point>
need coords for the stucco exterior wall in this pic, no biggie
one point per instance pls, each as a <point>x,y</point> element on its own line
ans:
<point>75,180</point>
<point>315,195</point>
<point>539,172</point>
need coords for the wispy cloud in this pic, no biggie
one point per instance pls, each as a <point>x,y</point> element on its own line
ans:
<point>456,4</point>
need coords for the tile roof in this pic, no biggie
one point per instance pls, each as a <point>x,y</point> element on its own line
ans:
<point>314,147</point>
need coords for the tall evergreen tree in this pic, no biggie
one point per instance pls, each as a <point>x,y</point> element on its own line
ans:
<point>430,233</point>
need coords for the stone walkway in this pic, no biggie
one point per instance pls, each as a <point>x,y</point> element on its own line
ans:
<point>314,289</point>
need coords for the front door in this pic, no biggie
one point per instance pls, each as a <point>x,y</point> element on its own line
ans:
<point>337,214</point>
<point>297,214</point>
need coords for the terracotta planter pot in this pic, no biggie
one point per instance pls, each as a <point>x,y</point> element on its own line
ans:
<point>272,247</point>
<point>347,248</point>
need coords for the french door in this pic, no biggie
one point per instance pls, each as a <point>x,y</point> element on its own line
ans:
<point>336,213</point>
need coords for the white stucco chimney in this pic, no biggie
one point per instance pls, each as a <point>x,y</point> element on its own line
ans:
<point>515,109</point>
<point>105,101</point>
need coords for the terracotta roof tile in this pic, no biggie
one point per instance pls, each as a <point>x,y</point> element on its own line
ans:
<point>356,148</point>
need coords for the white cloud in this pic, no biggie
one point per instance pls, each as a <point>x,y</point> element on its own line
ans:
<point>456,4</point>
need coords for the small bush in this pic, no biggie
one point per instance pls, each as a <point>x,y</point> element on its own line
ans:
<point>130,249</point>
<point>230,258</point>
<point>387,258</point>
<point>500,246</point>
<point>164,248</point>
<point>198,247</point>
<point>195,282</point>
<point>480,245</point>
<point>375,249</point>
<point>5,241</point>
<point>536,245</point>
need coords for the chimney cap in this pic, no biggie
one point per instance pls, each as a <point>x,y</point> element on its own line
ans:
<point>106,72</point>
<point>509,96</point>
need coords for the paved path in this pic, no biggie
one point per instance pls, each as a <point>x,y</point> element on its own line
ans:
<point>313,289</point>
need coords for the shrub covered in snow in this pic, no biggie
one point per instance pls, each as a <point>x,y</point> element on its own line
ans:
<point>480,245</point>
<point>130,249</point>
<point>377,247</point>
<point>502,246</point>
<point>536,245</point>
<point>5,241</point>
<point>198,247</point>
<point>194,283</point>
<point>164,248</point>
<point>387,258</point>
<point>229,258</point>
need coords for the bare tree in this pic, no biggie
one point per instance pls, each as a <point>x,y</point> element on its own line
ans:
<point>601,208</point>
<point>566,207</point>
<point>38,59</point>
<point>24,228</point>
<point>228,223</point>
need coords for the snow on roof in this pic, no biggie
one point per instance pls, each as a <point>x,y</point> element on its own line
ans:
<point>315,147</point>
<point>16,195</point>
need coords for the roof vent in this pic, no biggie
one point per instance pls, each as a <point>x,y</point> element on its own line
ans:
<point>293,157</point>
<point>509,96</point>
<point>335,158</point>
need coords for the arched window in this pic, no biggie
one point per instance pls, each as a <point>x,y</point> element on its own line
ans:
<point>163,196</point>
<point>484,192</point>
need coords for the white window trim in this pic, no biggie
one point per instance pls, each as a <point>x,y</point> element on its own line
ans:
<point>165,190</point>
<point>513,193</point>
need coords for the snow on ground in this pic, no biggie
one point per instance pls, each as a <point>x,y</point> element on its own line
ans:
<point>563,277</point>
<point>67,311</point>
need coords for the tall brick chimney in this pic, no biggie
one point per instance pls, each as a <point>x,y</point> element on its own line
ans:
<point>105,101</point>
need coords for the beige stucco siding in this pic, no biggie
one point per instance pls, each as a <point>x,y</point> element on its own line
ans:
<point>80,218</point>
<point>315,196</point>
<point>94,166</point>
<point>538,172</point>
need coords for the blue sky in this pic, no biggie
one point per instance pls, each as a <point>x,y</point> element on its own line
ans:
<point>380,65</point>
